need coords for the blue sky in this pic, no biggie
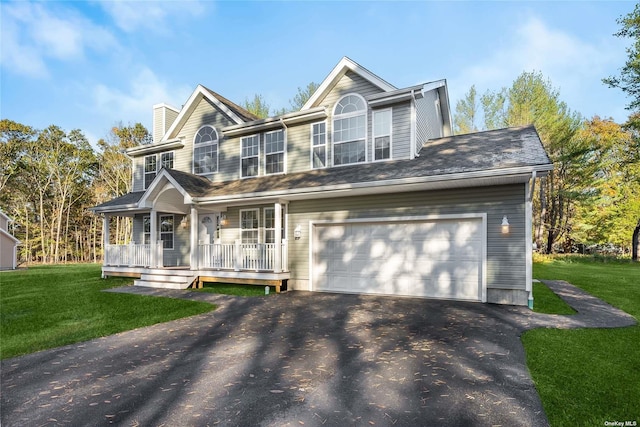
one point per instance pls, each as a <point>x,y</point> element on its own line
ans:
<point>89,65</point>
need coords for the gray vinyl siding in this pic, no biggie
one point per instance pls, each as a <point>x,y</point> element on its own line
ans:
<point>505,253</point>
<point>299,148</point>
<point>179,255</point>
<point>158,127</point>
<point>205,113</point>
<point>231,232</point>
<point>428,119</point>
<point>401,131</point>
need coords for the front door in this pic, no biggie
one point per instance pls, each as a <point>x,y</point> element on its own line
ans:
<point>208,228</point>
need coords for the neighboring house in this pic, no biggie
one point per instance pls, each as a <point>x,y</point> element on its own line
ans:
<point>363,190</point>
<point>8,245</point>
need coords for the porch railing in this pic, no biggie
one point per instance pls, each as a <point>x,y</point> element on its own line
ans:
<point>133,255</point>
<point>244,256</point>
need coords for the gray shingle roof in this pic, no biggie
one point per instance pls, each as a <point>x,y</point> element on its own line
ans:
<point>238,110</point>
<point>123,201</point>
<point>482,151</point>
<point>490,150</point>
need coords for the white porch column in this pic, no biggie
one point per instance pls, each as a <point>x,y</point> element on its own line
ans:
<point>194,256</point>
<point>153,238</point>
<point>277,259</point>
<point>105,237</point>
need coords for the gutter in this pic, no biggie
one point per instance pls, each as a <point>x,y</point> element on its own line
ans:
<point>529,240</point>
<point>520,172</point>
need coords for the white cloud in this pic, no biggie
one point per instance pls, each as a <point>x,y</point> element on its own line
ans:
<point>573,65</point>
<point>155,16</point>
<point>134,103</point>
<point>32,33</point>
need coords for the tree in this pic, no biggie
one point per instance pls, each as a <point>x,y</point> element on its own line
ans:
<point>629,79</point>
<point>13,137</point>
<point>303,96</point>
<point>629,82</point>
<point>466,113</point>
<point>531,99</point>
<point>257,106</point>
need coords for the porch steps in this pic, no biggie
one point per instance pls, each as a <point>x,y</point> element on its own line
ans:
<point>170,279</point>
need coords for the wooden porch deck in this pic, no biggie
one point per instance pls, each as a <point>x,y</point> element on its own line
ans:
<point>184,277</point>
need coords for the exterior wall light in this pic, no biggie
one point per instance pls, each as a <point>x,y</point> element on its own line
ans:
<point>184,223</point>
<point>223,220</point>
<point>505,225</point>
<point>297,232</point>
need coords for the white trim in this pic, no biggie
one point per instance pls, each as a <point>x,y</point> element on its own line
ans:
<point>173,159</point>
<point>412,218</point>
<point>413,149</point>
<point>173,231</point>
<point>373,132</point>
<point>275,122</point>
<point>264,225</point>
<point>257,135</point>
<point>185,113</point>
<point>144,200</point>
<point>205,144</point>
<point>338,71</point>
<point>154,148</point>
<point>528,240</point>
<point>326,145</point>
<point>506,176</point>
<point>145,173</point>
<point>284,151</point>
<point>240,229</point>
<point>358,113</point>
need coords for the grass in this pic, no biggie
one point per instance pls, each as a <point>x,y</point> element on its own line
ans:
<point>234,289</point>
<point>588,376</point>
<point>546,301</point>
<point>50,306</point>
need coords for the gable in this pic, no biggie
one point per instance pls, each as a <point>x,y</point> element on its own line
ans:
<point>204,112</point>
<point>344,67</point>
<point>349,83</point>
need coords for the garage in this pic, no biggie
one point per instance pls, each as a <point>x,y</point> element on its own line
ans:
<point>432,258</point>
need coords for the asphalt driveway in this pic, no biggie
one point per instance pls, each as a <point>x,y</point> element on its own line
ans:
<point>299,359</point>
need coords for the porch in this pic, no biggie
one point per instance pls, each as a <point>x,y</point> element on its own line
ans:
<point>246,263</point>
<point>216,256</point>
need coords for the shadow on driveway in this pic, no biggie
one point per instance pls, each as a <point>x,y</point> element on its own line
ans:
<point>299,359</point>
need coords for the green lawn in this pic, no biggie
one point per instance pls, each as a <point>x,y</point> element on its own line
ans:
<point>588,376</point>
<point>49,306</point>
<point>234,289</point>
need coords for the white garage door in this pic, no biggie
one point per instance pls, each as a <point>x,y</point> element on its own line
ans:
<point>436,258</point>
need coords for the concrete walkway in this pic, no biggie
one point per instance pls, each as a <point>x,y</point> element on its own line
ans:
<point>299,359</point>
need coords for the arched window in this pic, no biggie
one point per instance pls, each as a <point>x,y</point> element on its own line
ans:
<point>349,130</point>
<point>205,151</point>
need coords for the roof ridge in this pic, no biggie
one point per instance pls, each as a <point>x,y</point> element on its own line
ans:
<point>232,105</point>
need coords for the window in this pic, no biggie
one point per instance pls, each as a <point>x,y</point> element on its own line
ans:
<point>146,230</point>
<point>166,231</point>
<point>205,151</point>
<point>270,225</point>
<point>349,130</point>
<point>274,152</point>
<point>249,225</point>
<point>382,134</point>
<point>319,145</point>
<point>166,160</point>
<point>150,169</point>
<point>250,150</point>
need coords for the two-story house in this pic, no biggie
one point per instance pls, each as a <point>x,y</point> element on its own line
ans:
<point>364,190</point>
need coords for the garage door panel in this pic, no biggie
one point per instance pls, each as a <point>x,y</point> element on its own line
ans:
<point>440,258</point>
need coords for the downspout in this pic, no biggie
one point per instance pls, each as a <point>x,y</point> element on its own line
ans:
<point>529,238</point>
<point>413,153</point>
<point>284,125</point>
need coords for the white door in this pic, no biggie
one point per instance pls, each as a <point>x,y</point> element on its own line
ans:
<point>435,258</point>
<point>207,228</point>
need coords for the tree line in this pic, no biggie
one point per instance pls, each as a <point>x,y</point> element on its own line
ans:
<point>592,196</point>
